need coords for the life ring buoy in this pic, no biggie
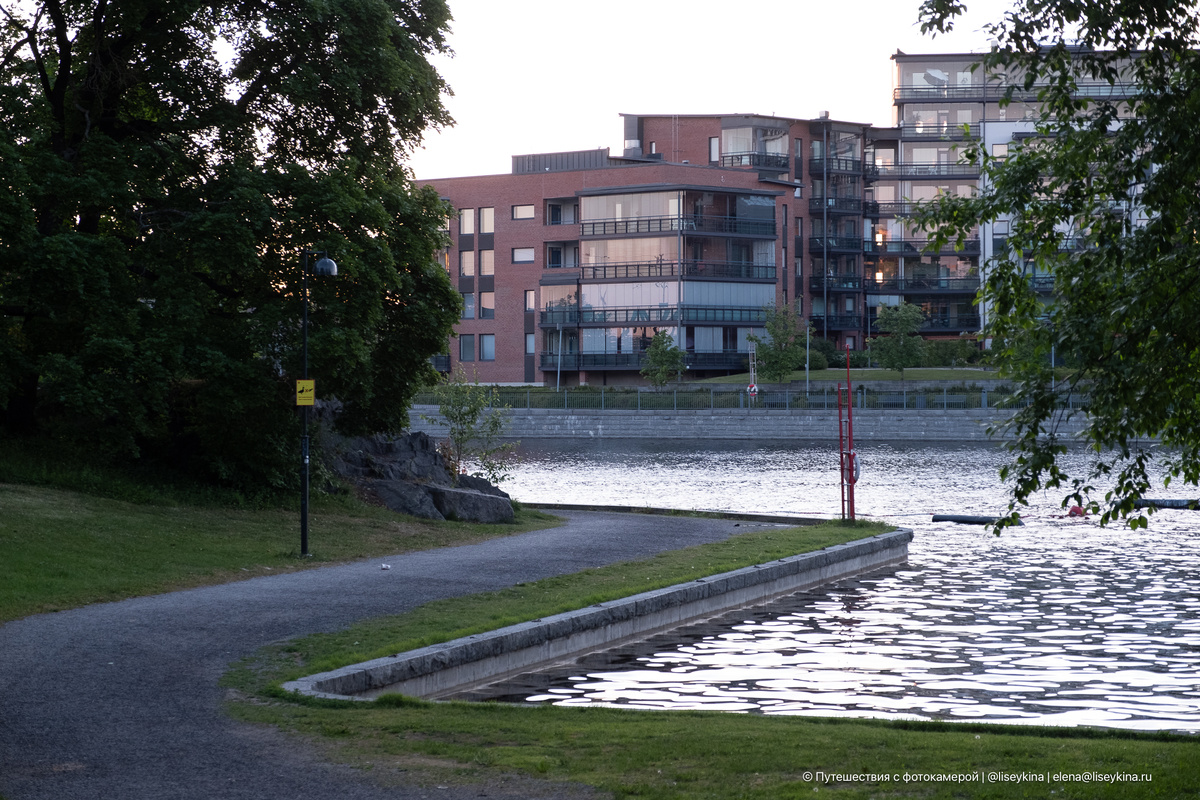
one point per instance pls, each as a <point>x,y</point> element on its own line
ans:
<point>753,390</point>
<point>857,465</point>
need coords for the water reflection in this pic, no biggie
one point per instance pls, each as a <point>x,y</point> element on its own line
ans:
<point>1059,622</point>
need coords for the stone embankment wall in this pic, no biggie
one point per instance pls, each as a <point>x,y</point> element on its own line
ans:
<point>925,425</point>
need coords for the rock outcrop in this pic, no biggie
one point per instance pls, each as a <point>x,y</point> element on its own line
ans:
<point>408,475</point>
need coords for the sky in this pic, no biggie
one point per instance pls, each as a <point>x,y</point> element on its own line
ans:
<point>541,76</point>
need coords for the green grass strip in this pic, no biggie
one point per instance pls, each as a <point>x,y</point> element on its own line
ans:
<point>62,549</point>
<point>675,754</point>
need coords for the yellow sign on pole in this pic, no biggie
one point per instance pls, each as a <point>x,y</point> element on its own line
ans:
<point>306,392</point>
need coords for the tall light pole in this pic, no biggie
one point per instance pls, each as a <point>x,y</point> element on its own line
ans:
<point>306,394</point>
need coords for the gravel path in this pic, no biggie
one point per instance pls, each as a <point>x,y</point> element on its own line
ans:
<point>119,701</point>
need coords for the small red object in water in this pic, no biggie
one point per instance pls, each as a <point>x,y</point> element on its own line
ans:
<point>1076,511</point>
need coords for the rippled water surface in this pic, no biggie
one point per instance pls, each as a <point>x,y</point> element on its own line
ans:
<point>1059,622</point>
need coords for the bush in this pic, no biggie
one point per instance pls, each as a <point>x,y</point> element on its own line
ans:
<point>816,360</point>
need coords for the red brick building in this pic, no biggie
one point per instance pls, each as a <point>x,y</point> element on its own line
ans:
<point>569,265</point>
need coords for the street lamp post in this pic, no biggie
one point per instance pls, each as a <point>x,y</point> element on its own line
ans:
<point>324,266</point>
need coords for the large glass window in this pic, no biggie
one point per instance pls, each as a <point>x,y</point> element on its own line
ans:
<point>530,343</point>
<point>522,255</point>
<point>487,347</point>
<point>468,299</point>
<point>556,297</point>
<point>522,212</point>
<point>466,263</point>
<point>487,305</point>
<point>619,251</point>
<point>632,295</point>
<point>466,220</point>
<point>626,206</point>
<point>466,347</point>
<point>487,220</point>
<point>530,302</point>
<point>487,262</point>
<point>730,295</point>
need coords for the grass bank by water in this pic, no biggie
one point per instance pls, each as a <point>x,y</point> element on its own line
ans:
<point>649,754</point>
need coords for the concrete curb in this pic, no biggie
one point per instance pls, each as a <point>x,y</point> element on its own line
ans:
<point>449,667</point>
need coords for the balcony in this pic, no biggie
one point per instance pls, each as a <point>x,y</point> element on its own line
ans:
<point>817,166</point>
<point>726,360</point>
<point>774,160</point>
<point>696,222</point>
<point>968,285</point>
<point>835,205</point>
<point>951,324</point>
<point>1097,90</point>
<point>890,209</point>
<point>724,270</point>
<point>914,247</point>
<point>835,244</point>
<point>946,130</point>
<point>836,322</point>
<point>834,283</point>
<point>642,316</point>
<point>929,170</point>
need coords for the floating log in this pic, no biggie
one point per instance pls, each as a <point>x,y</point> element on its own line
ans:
<point>1187,505</point>
<point>966,519</point>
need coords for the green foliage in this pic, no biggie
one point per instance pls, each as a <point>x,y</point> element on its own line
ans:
<point>157,205</point>
<point>903,347</point>
<point>815,360</point>
<point>951,352</point>
<point>781,352</point>
<point>474,428</point>
<point>662,361</point>
<point>1119,240</point>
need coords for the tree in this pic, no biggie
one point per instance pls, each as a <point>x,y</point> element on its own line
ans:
<point>781,352</point>
<point>474,428</point>
<point>903,347</point>
<point>662,360</point>
<point>159,195</point>
<point>1104,199</point>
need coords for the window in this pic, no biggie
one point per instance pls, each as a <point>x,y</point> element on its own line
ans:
<point>530,300</point>
<point>487,305</point>
<point>487,262</point>
<point>466,347</point>
<point>466,263</point>
<point>522,212</point>
<point>487,347</point>
<point>554,212</point>
<point>714,149</point>
<point>522,255</point>
<point>468,305</point>
<point>554,257</point>
<point>1000,151</point>
<point>653,147</point>
<point>466,220</point>
<point>487,220</point>
<point>530,344</point>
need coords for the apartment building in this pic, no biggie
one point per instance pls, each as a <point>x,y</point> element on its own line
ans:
<point>571,264</point>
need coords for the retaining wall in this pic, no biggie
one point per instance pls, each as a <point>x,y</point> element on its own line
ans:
<point>450,667</point>
<point>926,425</point>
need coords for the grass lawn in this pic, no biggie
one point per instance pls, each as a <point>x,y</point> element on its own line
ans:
<point>965,376</point>
<point>649,754</point>
<point>61,549</point>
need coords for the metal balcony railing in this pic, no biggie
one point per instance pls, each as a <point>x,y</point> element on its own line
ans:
<point>943,324</point>
<point>839,205</point>
<point>1098,90</point>
<point>729,359</point>
<point>670,269</point>
<point>929,170</point>
<point>817,166</point>
<point>648,315</point>
<point>837,322</point>
<point>695,222</point>
<point>934,130</point>
<point>834,283</point>
<point>923,285</point>
<point>779,160</point>
<point>835,244</point>
<point>917,246</point>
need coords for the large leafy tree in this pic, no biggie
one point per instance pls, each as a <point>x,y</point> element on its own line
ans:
<point>1104,198</point>
<point>781,351</point>
<point>903,347</point>
<point>163,167</point>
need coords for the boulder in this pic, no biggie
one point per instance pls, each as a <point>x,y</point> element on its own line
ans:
<point>470,506</point>
<point>406,497</point>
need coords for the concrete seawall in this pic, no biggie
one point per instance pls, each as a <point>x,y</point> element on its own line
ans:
<point>925,425</point>
<point>443,669</point>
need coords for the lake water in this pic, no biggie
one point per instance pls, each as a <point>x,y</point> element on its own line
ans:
<point>1059,622</point>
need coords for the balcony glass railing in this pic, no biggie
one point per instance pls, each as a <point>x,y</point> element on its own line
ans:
<point>936,130</point>
<point>945,323</point>
<point>695,222</point>
<point>835,244</point>
<point>838,283</point>
<point>1099,90</point>
<point>837,322</point>
<point>729,359</point>
<point>917,246</point>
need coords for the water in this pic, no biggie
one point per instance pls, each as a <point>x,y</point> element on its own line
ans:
<point>1059,622</point>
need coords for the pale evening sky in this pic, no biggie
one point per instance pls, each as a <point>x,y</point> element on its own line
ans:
<point>534,76</point>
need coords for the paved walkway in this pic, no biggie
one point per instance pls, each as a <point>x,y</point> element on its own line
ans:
<point>119,701</point>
